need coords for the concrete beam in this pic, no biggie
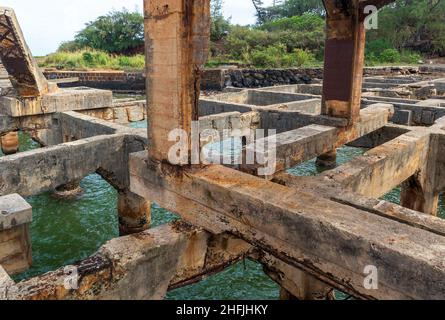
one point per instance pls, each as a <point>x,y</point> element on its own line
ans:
<point>322,237</point>
<point>62,100</point>
<point>33,172</point>
<point>329,189</point>
<point>17,59</point>
<point>385,167</point>
<point>297,146</point>
<point>142,267</point>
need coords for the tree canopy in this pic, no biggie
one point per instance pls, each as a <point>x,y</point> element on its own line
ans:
<point>119,32</point>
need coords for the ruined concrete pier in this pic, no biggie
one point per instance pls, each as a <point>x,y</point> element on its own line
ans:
<point>311,234</point>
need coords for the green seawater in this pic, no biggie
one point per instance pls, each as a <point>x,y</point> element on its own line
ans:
<point>66,231</point>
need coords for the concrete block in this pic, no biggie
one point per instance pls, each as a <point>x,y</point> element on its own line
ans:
<point>428,117</point>
<point>135,113</point>
<point>15,243</point>
<point>404,117</point>
<point>14,211</point>
<point>73,99</point>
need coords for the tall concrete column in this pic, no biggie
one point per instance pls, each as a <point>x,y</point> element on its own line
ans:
<point>327,160</point>
<point>134,213</point>
<point>177,37</point>
<point>10,142</point>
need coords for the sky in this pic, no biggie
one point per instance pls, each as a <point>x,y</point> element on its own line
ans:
<point>46,23</point>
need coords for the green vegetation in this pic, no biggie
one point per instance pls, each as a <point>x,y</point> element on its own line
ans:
<point>119,32</point>
<point>287,35</point>
<point>91,59</point>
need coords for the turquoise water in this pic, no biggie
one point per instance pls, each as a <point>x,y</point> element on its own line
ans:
<point>65,231</point>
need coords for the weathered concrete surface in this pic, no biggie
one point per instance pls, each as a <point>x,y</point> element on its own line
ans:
<point>177,39</point>
<point>142,266</point>
<point>9,142</point>
<point>15,242</point>
<point>344,59</point>
<point>385,167</point>
<point>421,191</point>
<point>297,146</point>
<point>60,101</point>
<point>134,213</point>
<point>324,238</point>
<point>17,59</point>
<point>40,170</point>
<point>329,189</point>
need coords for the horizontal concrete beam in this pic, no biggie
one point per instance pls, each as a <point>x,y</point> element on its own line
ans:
<point>138,267</point>
<point>297,146</point>
<point>329,189</point>
<point>324,238</point>
<point>59,101</point>
<point>33,172</point>
<point>385,167</point>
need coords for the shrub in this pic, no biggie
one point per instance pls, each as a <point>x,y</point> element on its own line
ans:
<point>92,59</point>
<point>277,57</point>
<point>303,57</point>
<point>390,56</point>
<point>120,32</point>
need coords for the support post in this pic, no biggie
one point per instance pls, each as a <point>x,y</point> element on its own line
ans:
<point>68,191</point>
<point>15,242</point>
<point>10,142</point>
<point>344,58</point>
<point>421,191</point>
<point>134,213</point>
<point>177,36</point>
<point>327,160</point>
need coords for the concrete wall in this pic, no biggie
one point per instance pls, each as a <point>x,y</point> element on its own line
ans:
<point>110,80</point>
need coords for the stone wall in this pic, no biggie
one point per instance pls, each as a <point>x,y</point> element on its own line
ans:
<point>252,78</point>
<point>215,79</point>
<point>109,80</point>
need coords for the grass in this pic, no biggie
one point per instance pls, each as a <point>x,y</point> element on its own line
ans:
<point>271,57</point>
<point>91,59</point>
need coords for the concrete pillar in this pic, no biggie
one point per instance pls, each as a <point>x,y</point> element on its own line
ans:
<point>327,160</point>
<point>15,242</point>
<point>419,196</point>
<point>344,59</point>
<point>177,34</point>
<point>421,191</point>
<point>10,142</point>
<point>134,213</point>
<point>68,191</point>
<point>296,284</point>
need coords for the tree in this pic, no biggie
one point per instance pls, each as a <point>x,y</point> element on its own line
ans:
<point>220,26</point>
<point>415,25</point>
<point>291,8</point>
<point>119,32</point>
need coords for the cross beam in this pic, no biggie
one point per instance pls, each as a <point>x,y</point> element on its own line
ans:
<point>17,59</point>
